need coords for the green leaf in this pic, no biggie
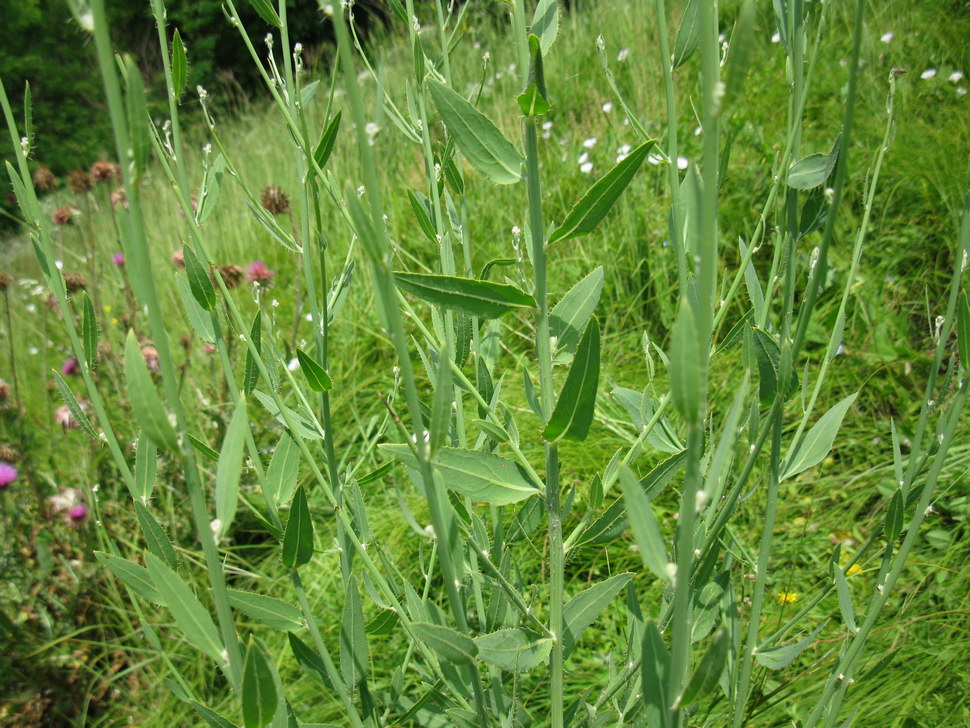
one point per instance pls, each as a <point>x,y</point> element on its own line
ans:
<point>739,54</point>
<point>158,541</point>
<point>483,477</point>
<point>89,331</point>
<point>251,372</point>
<point>470,296</point>
<point>135,577</point>
<point>145,463</point>
<point>204,450</point>
<point>199,318</point>
<point>515,650</point>
<point>654,676</point>
<point>646,531</point>
<point>192,618</point>
<point>687,366</point>
<point>180,65</point>
<point>545,23</point>
<point>321,155</point>
<point>309,660</point>
<point>776,658</point>
<point>304,425</point>
<point>441,406</point>
<point>817,442</point>
<point>268,13</point>
<point>353,639</point>
<point>258,693</point>
<point>229,467</point>
<point>298,537</point>
<point>583,609</point>
<point>211,717</point>
<point>284,468</point>
<point>199,280</point>
<point>768,354</point>
<point>211,182</point>
<point>487,268</point>
<point>708,671</point>
<point>535,99</point>
<point>138,122</point>
<point>688,35</point>
<point>274,613</point>
<point>568,318</point>
<point>447,642</point>
<point>147,406</point>
<point>28,116</point>
<point>600,198</point>
<point>894,516</point>
<point>383,623</point>
<point>815,169</point>
<point>479,140</point>
<point>963,330</point>
<point>72,404</point>
<point>576,405</point>
<point>316,375</point>
<point>845,599</point>
<point>423,213</point>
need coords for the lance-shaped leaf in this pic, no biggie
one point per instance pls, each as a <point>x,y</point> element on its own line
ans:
<point>688,34</point>
<point>815,169</point>
<point>646,531</point>
<point>845,600</point>
<point>708,671</point>
<point>817,442</point>
<point>298,537</point>
<point>284,468</point>
<point>229,467</point>
<point>156,538</point>
<point>135,577</point>
<point>146,457</point>
<point>583,609</point>
<point>574,410</point>
<point>210,716</point>
<point>535,99</point>
<point>654,675</point>
<point>180,65</point>
<point>325,146</point>
<point>138,122</point>
<point>776,658</point>
<point>147,406</point>
<point>688,374</point>
<point>268,13</point>
<point>768,354</point>
<point>274,613</point>
<point>353,640</point>
<point>470,296</point>
<point>963,330</point>
<point>74,406</point>
<point>568,318</point>
<point>444,397</point>
<point>894,516</point>
<point>479,140</point>
<point>201,321</point>
<point>316,375</point>
<point>601,197</point>
<point>545,23</point>
<point>309,660</point>
<point>251,372</point>
<point>258,693</point>
<point>89,331</point>
<point>192,618</point>
<point>515,650</point>
<point>447,642</point>
<point>482,476</point>
<point>199,280</point>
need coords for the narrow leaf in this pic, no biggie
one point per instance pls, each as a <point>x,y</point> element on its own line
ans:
<point>258,693</point>
<point>353,640</point>
<point>268,13</point>
<point>646,531</point>
<point>180,65</point>
<point>688,35</point>
<point>274,613</point>
<point>963,330</point>
<point>284,468</point>
<point>470,296</point>
<point>573,414</point>
<point>89,332</point>
<point>817,442</point>
<point>583,609</point>
<point>316,375</point>
<point>199,318</point>
<point>74,406</point>
<point>146,461</point>
<point>845,600</point>
<point>568,318</point>
<point>147,406</point>
<point>251,372</point>
<point>708,671</point>
<point>515,650</point>
<point>545,23</point>
<point>298,537</point>
<point>687,365</point>
<point>321,155</point>
<point>135,577</point>
<point>229,467</point>
<point>654,675</point>
<point>156,538</point>
<point>776,658</point>
<point>309,660</point>
<point>447,642</point>
<point>815,169</point>
<point>894,516</point>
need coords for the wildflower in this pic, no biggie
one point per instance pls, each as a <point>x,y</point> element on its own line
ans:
<point>586,167</point>
<point>44,179</point>
<point>150,355</point>
<point>928,74</point>
<point>65,418</point>
<point>64,215</point>
<point>105,171</point>
<point>787,597</point>
<point>78,513</point>
<point>178,259</point>
<point>622,55</point>
<point>607,107</point>
<point>70,366</point>
<point>4,391</point>
<point>209,348</point>
<point>852,570</point>
<point>5,280</point>
<point>293,364</point>
<point>371,130</point>
<point>776,38</point>
<point>682,162</point>
<point>589,143</point>
<point>232,274</point>
<point>80,181</point>
<point>119,197</point>
<point>961,90</point>
<point>622,152</point>
<point>886,37</point>
<point>75,282</point>
<point>955,77</point>
<point>583,158</point>
<point>274,200</point>
<point>259,273</point>
<point>8,474</point>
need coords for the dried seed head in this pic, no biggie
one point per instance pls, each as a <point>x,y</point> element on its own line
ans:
<point>119,197</point>
<point>80,181</point>
<point>44,179</point>
<point>105,171</point>
<point>75,282</point>
<point>4,391</point>
<point>5,280</point>
<point>274,200</point>
<point>64,215</point>
<point>232,274</point>
<point>8,453</point>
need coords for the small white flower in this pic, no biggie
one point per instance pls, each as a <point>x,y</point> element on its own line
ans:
<point>586,168</point>
<point>955,76</point>
<point>583,158</point>
<point>961,90</point>
<point>546,125</point>
<point>928,74</point>
<point>59,264</point>
<point>361,190</point>
<point>607,107</point>
<point>682,162</point>
<point>886,37</point>
<point>654,158</point>
<point>622,55</point>
<point>293,364</point>
<point>776,38</point>
<point>216,526</point>
<point>589,143</point>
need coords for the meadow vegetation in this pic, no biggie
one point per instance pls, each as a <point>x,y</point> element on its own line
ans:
<point>222,375</point>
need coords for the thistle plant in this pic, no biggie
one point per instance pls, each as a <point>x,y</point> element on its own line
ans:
<point>480,639</point>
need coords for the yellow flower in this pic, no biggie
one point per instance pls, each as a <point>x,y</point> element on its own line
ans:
<point>106,308</point>
<point>787,597</point>
<point>854,569</point>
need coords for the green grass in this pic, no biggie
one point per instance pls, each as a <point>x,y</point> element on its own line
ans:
<point>888,348</point>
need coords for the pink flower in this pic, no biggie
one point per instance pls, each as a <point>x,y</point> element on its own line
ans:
<point>69,503</point>
<point>63,417</point>
<point>70,367</point>
<point>259,273</point>
<point>178,259</point>
<point>8,474</point>
<point>208,348</point>
<point>78,513</point>
<point>118,258</point>
<point>150,353</point>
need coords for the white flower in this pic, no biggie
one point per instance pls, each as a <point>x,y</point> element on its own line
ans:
<point>886,37</point>
<point>654,158</point>
<point>622,55</point>
<point>608,107</point>
<point>293,364</point>
<point>622,152</point>
<point>928,74</point>
<point>682,162</point>
<point>955,76</point>
<point>546,125</point>
<point>586,167</point>
<point>589,143</point>
<point>961,90</point>
<point>583,158</point>
<point>776,38</point>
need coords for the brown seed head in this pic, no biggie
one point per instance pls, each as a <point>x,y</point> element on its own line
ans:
<point>119,197</point>
<point>64,215</point>
<point>75,282</point>
<point>5,280</point>
<point>274,200</point>
<point>80,181</point>
<point>105,171</point>
<point>44,179</point>
<point>8,453</point>
<point>231,274</point>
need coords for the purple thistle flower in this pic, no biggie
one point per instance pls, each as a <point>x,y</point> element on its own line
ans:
<point>118,258</point>
<point>78,513</point>
<point>8,474</point>
<point>70,367</point>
